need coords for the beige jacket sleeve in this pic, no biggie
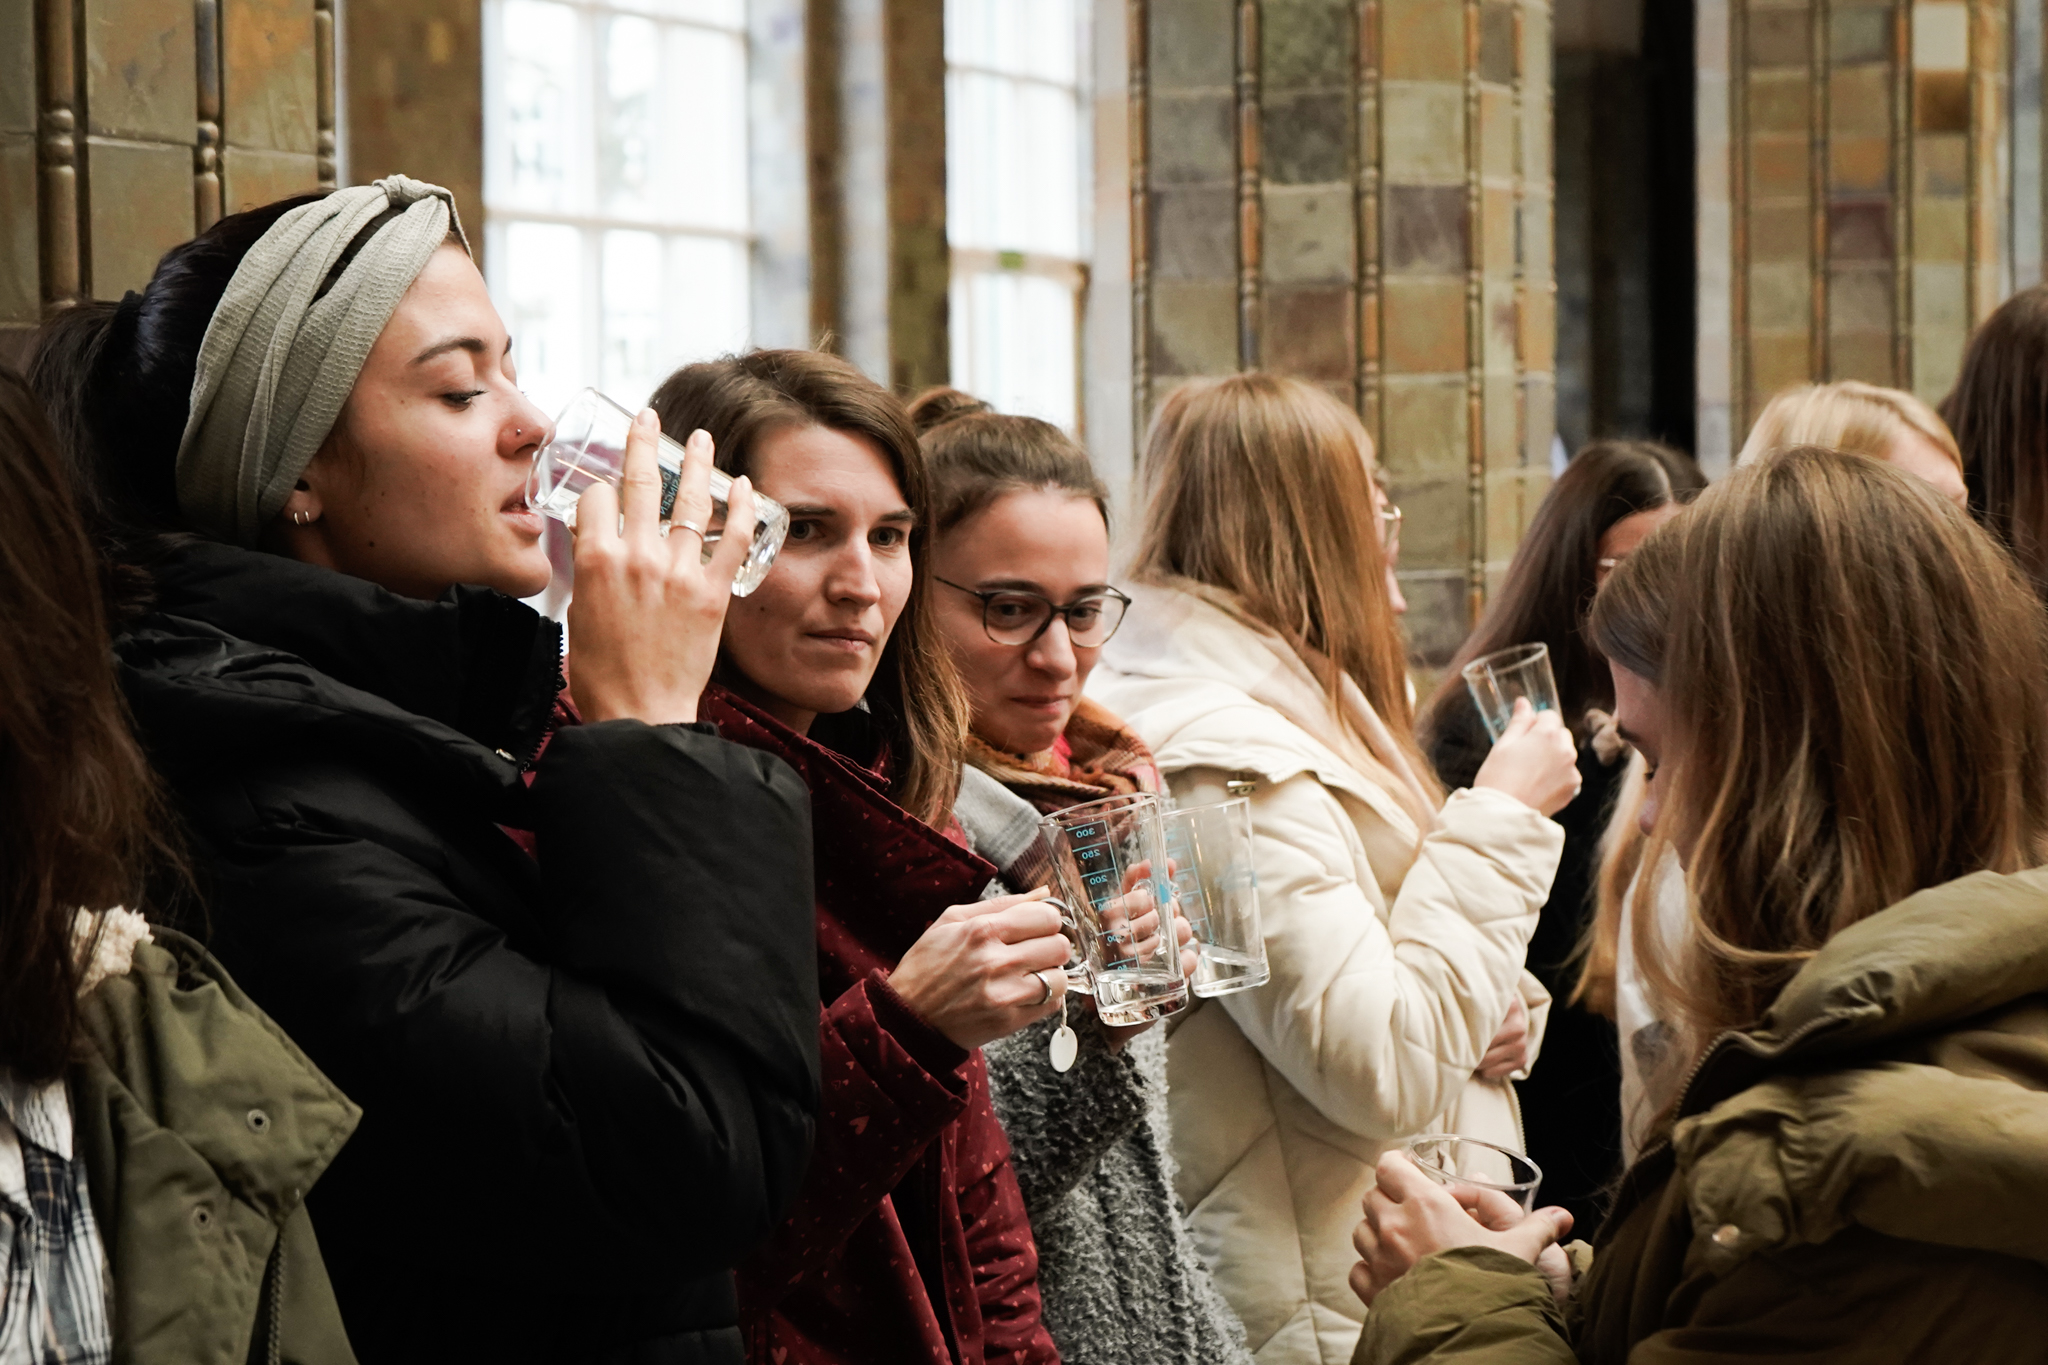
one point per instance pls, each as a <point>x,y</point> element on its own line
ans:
<point>1378,1015</point>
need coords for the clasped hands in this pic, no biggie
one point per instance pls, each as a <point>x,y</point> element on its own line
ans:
<point>1410,1215</point>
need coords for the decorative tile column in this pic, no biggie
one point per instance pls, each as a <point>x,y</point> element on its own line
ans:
<point>416,97</point>
<point>1358,192</point>
<point>1867,195</point>
<point>128,125</point>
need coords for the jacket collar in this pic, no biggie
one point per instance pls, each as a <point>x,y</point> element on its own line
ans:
<point>474,660</point>
<point>174,1044</point>
<point>1194,637</point>
<point>1936,959</point>
<point>882,874</point>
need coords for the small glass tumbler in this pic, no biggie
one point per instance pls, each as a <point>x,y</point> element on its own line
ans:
<point>1210,850</point>
<point>1497,679</point>
<point>588,446</point>
<point>1109,860</point>
<point>1455,1161</point>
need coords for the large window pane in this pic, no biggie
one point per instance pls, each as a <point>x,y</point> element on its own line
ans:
<point>1035,38</point>
<point>539,289</point>
<point>708,298</point>
<point>1014,341</point>
<point>627,135</point>
<point>540,91</point>
<point>1015,201</point>
<point>616,190</point>
<point>706,122</point>
<point>632,315</point>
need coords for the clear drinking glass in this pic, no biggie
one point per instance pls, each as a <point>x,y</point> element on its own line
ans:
<point>589,446</point>
<point>1456,1161</point>
<point>1109,863</point>
<point>1210,850</point>
<point>1497,679</point>
<point>1036,866</point>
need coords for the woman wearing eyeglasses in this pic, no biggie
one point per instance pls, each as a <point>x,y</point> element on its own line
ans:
<point>1020,561</point>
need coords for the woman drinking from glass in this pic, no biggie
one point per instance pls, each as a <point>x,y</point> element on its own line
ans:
<point>909,1242</point>
<point>566,969</point>
<point>1611,495</point>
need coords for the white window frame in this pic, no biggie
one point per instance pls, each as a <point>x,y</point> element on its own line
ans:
<point>500,212</point>
<point>1071,273</point>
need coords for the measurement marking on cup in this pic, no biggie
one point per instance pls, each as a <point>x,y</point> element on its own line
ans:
<point>1095,859</point>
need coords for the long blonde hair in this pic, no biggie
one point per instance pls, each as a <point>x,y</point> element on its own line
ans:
<point>1262,486</point>
<point>1849,416</point>
<point>1855,683</point>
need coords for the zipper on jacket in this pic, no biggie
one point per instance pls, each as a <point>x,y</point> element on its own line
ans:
<point>270,1314</point>
<point>1725,1041</point>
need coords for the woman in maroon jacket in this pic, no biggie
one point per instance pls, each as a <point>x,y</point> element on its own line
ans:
<point>908,1243</point>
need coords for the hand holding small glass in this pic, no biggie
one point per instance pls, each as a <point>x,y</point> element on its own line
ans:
<point>1534,760</point>
<point>1410,1215</point>
<point>649,607</point>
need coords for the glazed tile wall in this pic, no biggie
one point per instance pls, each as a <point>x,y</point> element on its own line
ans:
<point>1358,192</point>
<point>127,125</point>
<point>1867,191</point>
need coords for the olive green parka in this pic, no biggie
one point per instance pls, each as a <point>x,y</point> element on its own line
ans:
<point>1861,1178</point>
<point>202,1126</point>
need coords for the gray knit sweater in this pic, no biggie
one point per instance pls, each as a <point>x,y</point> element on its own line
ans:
<point>1117,1270</point>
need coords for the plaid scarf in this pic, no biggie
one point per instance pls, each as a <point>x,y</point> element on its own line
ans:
<point>1094,757</point>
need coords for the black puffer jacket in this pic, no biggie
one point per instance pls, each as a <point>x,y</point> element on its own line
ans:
<point>587,1079</point>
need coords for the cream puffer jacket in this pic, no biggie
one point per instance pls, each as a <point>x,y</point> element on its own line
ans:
<point>1395,955</point>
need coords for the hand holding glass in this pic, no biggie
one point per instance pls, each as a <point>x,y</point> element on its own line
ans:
<point>1110,866</point>
<point>588,446</point>
<point>1496,680</point>
<point>1465,1165</point>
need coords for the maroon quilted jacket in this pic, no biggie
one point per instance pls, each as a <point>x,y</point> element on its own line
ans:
<point>908,1243</point>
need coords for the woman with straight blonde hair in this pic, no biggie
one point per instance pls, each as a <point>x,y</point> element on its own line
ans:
<point>1855,1168</point>
<point>1862,419</point>
<point>1261,656</point>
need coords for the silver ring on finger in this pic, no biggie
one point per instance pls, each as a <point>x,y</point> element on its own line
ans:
<point>692,527</point>
<point>1044,988</point>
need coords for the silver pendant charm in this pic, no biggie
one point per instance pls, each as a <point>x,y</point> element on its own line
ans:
<point>1065,1046</point>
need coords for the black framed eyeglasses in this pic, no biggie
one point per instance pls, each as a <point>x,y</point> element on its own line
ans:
<point>1011,616</point>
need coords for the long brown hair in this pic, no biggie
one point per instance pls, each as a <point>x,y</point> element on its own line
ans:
<point>81,822</point>
<point>1855,686</point>
<point>977,455</point>
<point>915,692</point>
<point>1998,411</point>
<point>1550,582</point>
<point>1262,486</point>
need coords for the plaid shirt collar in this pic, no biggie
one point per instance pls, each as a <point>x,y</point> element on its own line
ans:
<point>53,1270</point>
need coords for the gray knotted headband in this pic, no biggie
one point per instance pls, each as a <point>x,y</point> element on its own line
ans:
<point>277,363</point>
